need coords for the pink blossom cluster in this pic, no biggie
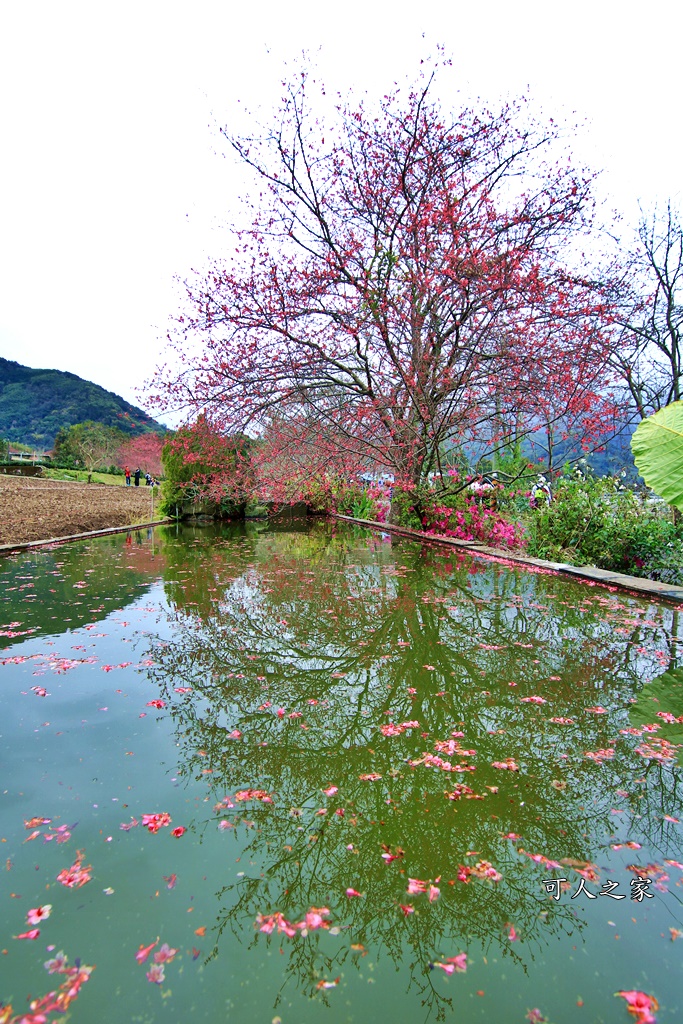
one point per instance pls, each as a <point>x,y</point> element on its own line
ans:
<point>56,1001</point>
<point>438,762</point>
<point>77,875</point>
<point>474,524</point>
<point>483,869</point>
<point>416,887</point>
<point>153,822</point>
<point>395,730</point>
<point>315,918</point>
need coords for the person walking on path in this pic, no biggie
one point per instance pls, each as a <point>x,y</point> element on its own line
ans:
<point>138,474</point>
<point>127,475</point>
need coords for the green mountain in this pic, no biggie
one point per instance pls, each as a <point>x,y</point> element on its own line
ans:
<point>35,404</point>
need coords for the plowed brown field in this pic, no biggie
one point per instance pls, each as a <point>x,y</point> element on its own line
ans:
<point>35,509</point>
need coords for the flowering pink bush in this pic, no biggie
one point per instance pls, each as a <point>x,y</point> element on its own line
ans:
<point>381,501</point>
<point>474,523</point>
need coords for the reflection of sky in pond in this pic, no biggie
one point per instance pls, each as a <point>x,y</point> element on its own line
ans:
<point>290,663</point>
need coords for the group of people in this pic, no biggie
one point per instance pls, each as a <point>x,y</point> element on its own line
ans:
<point>150,481</point>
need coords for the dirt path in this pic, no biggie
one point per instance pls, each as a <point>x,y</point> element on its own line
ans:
<point>36,509</point>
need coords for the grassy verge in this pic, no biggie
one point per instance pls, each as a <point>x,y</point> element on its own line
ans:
<point>81,476</point>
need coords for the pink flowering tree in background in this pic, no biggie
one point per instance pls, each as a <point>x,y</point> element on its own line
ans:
<point>143,451</point>
<point>407,284</point>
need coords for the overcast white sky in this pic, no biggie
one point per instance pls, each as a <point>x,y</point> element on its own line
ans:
<point>111,186</point>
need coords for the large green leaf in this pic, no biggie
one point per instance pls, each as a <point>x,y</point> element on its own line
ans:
<point>657,447</point>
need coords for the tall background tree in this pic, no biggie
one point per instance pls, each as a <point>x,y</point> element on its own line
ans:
<point>649,353</point>
<point>406,286</point>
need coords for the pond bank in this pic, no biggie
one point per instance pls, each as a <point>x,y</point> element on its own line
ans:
<point>8,549</point>
<point>588,573</point>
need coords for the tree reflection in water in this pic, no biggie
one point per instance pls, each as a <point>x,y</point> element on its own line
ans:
<point>299,647</point>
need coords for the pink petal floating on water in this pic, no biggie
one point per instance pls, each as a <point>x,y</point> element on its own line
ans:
<point>452,964</point>
<point>153,822</point>
<point>179,831</point>
<point>38,914</point>
<point>315,918</point>
<point>57,964</point>
<point>605,754</point>
<point>144,951</point>
<point>253,794</point>
<point>32,822</point>
<point>353,892</point>
<point>164,955</point>
<point>331,790</point>
<point>640,1005</point>
<point>156,974</point>
<point>32,934</point>
<point>75,876</point>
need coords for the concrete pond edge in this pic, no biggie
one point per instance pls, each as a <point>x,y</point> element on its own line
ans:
<point>585,573</point>
<point>27,545</point>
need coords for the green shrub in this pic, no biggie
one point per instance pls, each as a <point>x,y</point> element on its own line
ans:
<point>345,495</point>
<point>407,506</point>
<point>363,507</point>
<point>599,522</point>
<point>317,494</point>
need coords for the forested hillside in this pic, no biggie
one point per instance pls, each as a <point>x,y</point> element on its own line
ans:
<point>34,404</point>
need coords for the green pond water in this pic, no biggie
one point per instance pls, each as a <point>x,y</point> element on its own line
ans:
<point>388,749</point>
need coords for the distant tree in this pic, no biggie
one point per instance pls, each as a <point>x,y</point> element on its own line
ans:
<point>649,357</point>
<point>88,445</point>
<point>143,451</point>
